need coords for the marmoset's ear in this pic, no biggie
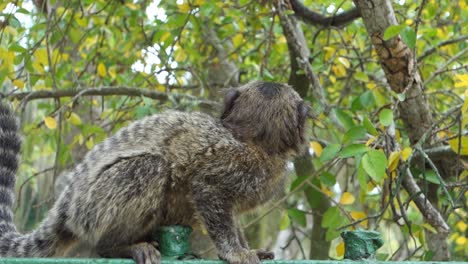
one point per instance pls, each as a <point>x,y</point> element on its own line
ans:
<point>303,110</point>
<point>229,101</point>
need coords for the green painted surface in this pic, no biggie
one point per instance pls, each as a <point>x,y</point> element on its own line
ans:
<point>166,261</point>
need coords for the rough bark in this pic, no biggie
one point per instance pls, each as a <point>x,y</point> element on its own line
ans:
<point>399,65</point>
<point>299,55</point>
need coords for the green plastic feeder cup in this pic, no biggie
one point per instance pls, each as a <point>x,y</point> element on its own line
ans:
<point>361,244</point>
<point>173,241</point>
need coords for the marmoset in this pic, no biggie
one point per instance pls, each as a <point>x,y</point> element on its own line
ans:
<point>166,169</point>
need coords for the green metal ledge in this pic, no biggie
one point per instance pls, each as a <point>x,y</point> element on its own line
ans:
<point>128,261</point>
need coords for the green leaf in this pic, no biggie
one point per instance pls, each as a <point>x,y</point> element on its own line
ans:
<point>430,176</point>
<point>327,178</point>
<point>285,222</point>
<point>329,152</point>
<point>353,150</point>
<point>16,47</point>
<point>298,216</point>
<point>353,134</point>
<point>361,76</point>
<point>344,118</point>
<point>393,31</point>
<point>314,197</point>
<point>74,35</point>
<point>367,99</point>
<point>369,126</point>
<point>386,117</point>
<point>409,37</point>
<point>356,104</point>
<point>362,178</point>
<point>331,218</point>
<point>298,181</point>
<point>332,233</point>
<point>374,163</point>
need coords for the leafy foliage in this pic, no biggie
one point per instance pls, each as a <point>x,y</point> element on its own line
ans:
<point>181,48</point>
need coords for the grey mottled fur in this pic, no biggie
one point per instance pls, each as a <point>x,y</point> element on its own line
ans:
<point>169,168</point>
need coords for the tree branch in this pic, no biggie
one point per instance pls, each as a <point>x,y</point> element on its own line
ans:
<point>104,91</point>
<point>315,18</point>
<point>431,214</point>
<point>441,44</point>
<point>300,53</point>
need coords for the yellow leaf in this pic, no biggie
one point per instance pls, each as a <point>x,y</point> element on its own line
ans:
<point>442,134</point>
<point>370,141</point>
<point>41,57</point>
<point>371,85</point>
<point>161,88</point>
<point>199,2</point>
<point>50,122</point>
<point>132,6</point>
<point>462,81</point>
<point>316,147</point>
<point>464,109</point>
<point>18,83</point>
<point>332,79</point>
<point>358,216</point>
<point>90,143</point>
<point>464,145</point>
<point>185,7</point>
<point>406,153</point>
<point>74,119</point>
<point>347,198</point>
<point>327,192</point>
<point>462,226</point>
<point>180,55</point>
<point>101,70</point>
<point>237,40</point>
<point>344,61</point>
<point>339,70</point>
<point>461,241</point>
<point>112,72</point>
<point>370,186</point>
<point>466,93</point>
<point>329,52</point>
<point>393,160</point>
<point>340,248</point>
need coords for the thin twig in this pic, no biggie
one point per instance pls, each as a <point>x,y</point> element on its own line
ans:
<point>441,68</point>
<point>441,44</point>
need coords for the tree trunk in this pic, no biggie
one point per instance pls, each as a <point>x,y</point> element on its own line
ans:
<point>400,69</point>
<point>301,82</point>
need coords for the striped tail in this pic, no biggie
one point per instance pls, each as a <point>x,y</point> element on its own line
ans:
<point>42,241</point>
<point>10,144</point>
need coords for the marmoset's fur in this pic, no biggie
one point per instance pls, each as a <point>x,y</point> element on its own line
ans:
<point>169,168</point>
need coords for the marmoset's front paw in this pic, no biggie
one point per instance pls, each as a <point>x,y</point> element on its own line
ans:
<point>241,256</point>
<point>264,254</point>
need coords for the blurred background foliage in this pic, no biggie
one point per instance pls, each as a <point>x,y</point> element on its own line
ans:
<point>77,71</point>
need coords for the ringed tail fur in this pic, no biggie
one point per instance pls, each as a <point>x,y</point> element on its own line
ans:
<point>42,241</point>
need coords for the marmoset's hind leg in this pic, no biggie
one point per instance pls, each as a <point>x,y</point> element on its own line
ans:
<point>123,205</point>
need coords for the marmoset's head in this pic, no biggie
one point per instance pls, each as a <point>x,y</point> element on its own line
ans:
<point>269,114</point>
